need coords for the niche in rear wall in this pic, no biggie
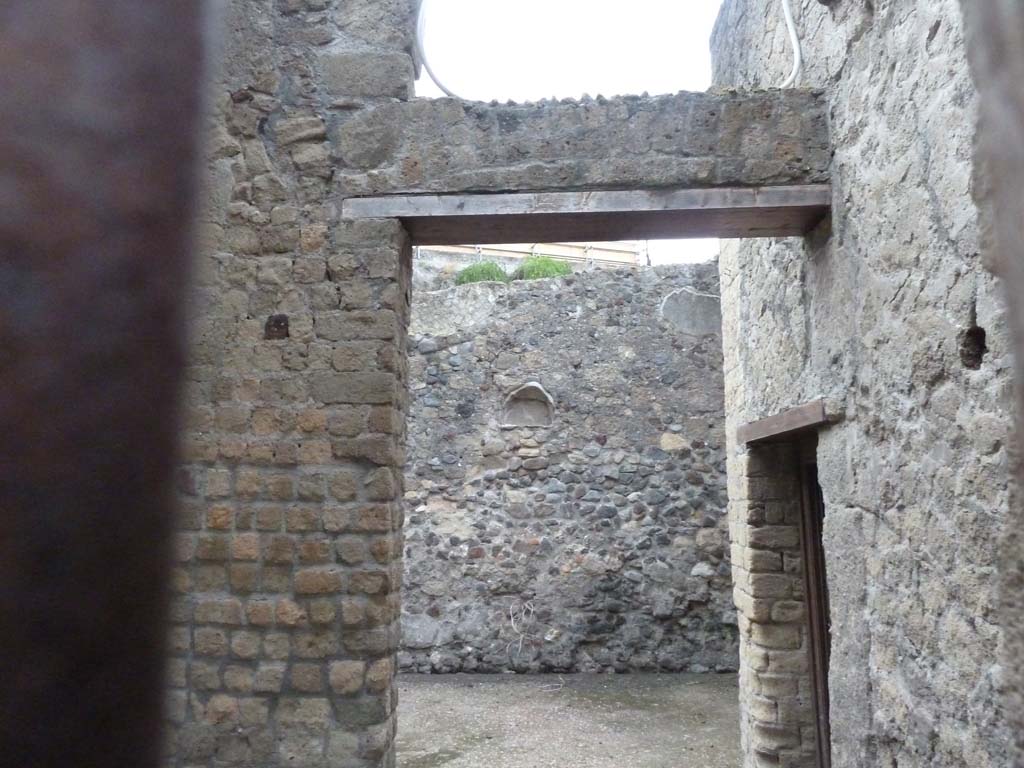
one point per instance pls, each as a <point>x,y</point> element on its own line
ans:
<point>527,406</point>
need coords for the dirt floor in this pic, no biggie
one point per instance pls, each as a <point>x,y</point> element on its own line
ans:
<point>568,721</point>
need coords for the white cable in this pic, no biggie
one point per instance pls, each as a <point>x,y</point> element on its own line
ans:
<point>794,39</point>
<point>421,51</point>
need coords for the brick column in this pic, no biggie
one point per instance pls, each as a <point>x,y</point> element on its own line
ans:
<point>777,718</point>
<point>289,555</point>
<point>290,561</point>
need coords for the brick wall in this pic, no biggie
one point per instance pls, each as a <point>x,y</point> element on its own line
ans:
<point>289,561</point>
<point>777,721</point>
<point>289,556</point>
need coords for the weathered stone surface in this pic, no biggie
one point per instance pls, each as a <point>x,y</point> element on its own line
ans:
<point>870,314</point>
<point>356,388</point>
<point>367,73</point>
<point>386,23</point>
<point>296,129</point>
<point>570,547</point>
<point>719,138</point>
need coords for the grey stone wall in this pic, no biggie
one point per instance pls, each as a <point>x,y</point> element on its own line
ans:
<point>598,542</point>
<point>873,312</point>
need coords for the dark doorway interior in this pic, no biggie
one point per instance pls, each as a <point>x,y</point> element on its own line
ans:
<point>812,518</point>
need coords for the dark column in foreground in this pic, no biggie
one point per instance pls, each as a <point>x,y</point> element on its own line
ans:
<point>996,49</point>
<point>98,114</point>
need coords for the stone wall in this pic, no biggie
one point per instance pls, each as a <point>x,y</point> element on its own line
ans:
<point>599,541</point>
<point>683,139</point>
<point>290,558</point>
<point>878,312</point>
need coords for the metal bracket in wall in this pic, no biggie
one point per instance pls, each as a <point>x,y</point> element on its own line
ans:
<point>783,426</point>
<point>602,215</point>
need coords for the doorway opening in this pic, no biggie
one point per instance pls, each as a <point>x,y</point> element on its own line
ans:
<point>566,514</point>
<point>781,587</point>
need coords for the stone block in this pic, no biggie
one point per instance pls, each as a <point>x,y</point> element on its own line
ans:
<point>299,129</point>
<point>330,388</point>
<point>380,485</point>
<point>775,636</point>
<point>318,581</point>
<point>313,159</point>
<point>245,547</point>
<point>367,73</point>
<point>788,611</point>
<point>307,678</point>
<point>383,450</point>
<point>318,644</point>
<point>762,561</point>
<point>762,709</point>
<point>303,712</point>
<point>773,738</point>
<point>210,642</point>
<point>219,611</point>
<point>369,582</point>
<point>213,547</point>
<point>766,585</point>
<point>354,325</point>
<point>380,674</point>
<point>322,611</point>
<point>381,23</point>
<point>239,679</point>
<point>253,712</point>
<point>245,645</point>
<point>279,550</point>
<point>352,550</point>
<point>269,678</point>
<point>314,551</point>
<point>774,537</point>
<point>244,577</point>
<point>787,662</point>
<point>374,518</point>
<point>288,613</point>
<point>260,613</point>
<point>346,677</point>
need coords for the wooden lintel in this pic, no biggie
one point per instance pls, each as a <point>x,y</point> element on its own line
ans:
<point>604,215</point>
<point>784,425</point>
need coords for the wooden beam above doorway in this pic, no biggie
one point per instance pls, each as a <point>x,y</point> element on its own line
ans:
<point>783,426</point>
<point>606,215</point>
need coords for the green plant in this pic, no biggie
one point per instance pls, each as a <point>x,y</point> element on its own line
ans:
<point>484,271</point>
<point>539,267</point>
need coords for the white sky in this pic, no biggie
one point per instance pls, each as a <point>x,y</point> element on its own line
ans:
<point>526,50</point>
